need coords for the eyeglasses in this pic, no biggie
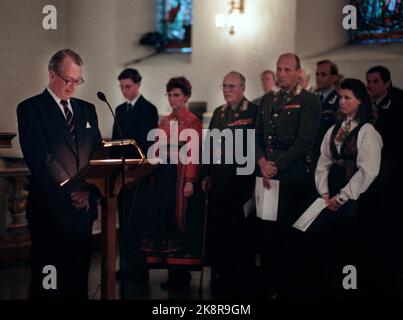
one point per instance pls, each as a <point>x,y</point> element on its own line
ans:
<point>228,86</point>
<point>71,82</point>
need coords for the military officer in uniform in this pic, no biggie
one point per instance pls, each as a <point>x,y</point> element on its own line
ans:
<point>228,252</point>
<point>286,127</point>
<point>389,106</point>
<point>326,75</point>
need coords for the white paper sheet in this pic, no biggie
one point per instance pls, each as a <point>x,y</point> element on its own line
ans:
<point>267,199</point>
<point>310,214</point>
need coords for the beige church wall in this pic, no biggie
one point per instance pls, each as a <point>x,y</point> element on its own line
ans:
<point>320,26</point>
<point>91,32</point>
<point>24,53</point>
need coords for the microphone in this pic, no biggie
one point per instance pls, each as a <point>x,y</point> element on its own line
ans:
<point>101,96</point>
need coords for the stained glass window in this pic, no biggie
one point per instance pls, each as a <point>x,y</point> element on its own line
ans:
<point>378,21</point>
<point>174,22</point>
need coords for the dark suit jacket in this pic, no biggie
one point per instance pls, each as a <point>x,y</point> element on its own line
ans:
<point>390,119</point>
<point>51,153</point>
<point>137,122</point>
<point>327,119</point>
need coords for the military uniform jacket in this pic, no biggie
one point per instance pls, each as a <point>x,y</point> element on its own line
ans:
<point>225,181</point>
<point>390,119</point>
<point>286,129</point>
<point>329,108</point>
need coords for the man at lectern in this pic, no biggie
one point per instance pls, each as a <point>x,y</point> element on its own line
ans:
<point>58,136</point>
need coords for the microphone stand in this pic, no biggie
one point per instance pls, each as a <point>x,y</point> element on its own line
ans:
<point>102,97</point>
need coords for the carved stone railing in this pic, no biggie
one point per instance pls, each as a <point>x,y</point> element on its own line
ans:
<point>14,235</point>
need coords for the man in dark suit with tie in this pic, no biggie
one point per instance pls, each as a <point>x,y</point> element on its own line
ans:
<point>136,117</point>
<point>58,136</point>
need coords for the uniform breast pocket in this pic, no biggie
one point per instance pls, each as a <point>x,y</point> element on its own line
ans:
<point>291,116</point>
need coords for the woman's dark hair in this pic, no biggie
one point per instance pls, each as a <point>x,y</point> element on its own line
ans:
<point>365,111</point>
<point>180,83</point>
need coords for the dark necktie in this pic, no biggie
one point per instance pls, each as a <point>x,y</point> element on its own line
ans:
<point>69,117</point>
<point>322,98</point>
<point>129,106</point>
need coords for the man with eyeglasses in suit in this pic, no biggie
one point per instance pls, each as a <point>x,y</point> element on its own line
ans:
<point>58,136</point>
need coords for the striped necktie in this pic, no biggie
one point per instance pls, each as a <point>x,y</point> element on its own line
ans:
<point>69,118</point>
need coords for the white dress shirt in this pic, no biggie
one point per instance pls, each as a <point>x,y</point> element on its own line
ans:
<point>57,99</point>
<point>369,145</point>
<point>133,102</point>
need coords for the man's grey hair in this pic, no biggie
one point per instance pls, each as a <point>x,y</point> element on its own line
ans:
<point>240,75</point>
<point>57,59</point>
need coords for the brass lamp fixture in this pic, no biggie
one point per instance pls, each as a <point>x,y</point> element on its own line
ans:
<point>231,20</point>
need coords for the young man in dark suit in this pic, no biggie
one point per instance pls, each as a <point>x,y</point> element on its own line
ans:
<point>136,117</point>
<point>58,136</point>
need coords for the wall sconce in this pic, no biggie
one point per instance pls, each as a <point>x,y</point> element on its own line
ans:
<point>232,19</point>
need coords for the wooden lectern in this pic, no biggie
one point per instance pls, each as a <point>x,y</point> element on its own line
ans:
<point>106,176</point>
<point>5,139</point>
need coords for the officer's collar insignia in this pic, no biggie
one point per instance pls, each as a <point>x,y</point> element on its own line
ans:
<point>295,92</point>
<point>298,89</point>
<point>244,105</point>
<point>386,105</point>
<point>333,100</point>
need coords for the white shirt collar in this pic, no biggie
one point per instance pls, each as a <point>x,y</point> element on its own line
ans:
<point>57,100</point>
<point>55,97</point>
<point>133,102</point>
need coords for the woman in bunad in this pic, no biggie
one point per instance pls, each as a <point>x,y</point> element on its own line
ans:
<point>175,221</point>
<point>347,168</point>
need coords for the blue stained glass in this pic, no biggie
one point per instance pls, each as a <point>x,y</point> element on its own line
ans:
<point>378,21</point>
<point>174,22</point>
